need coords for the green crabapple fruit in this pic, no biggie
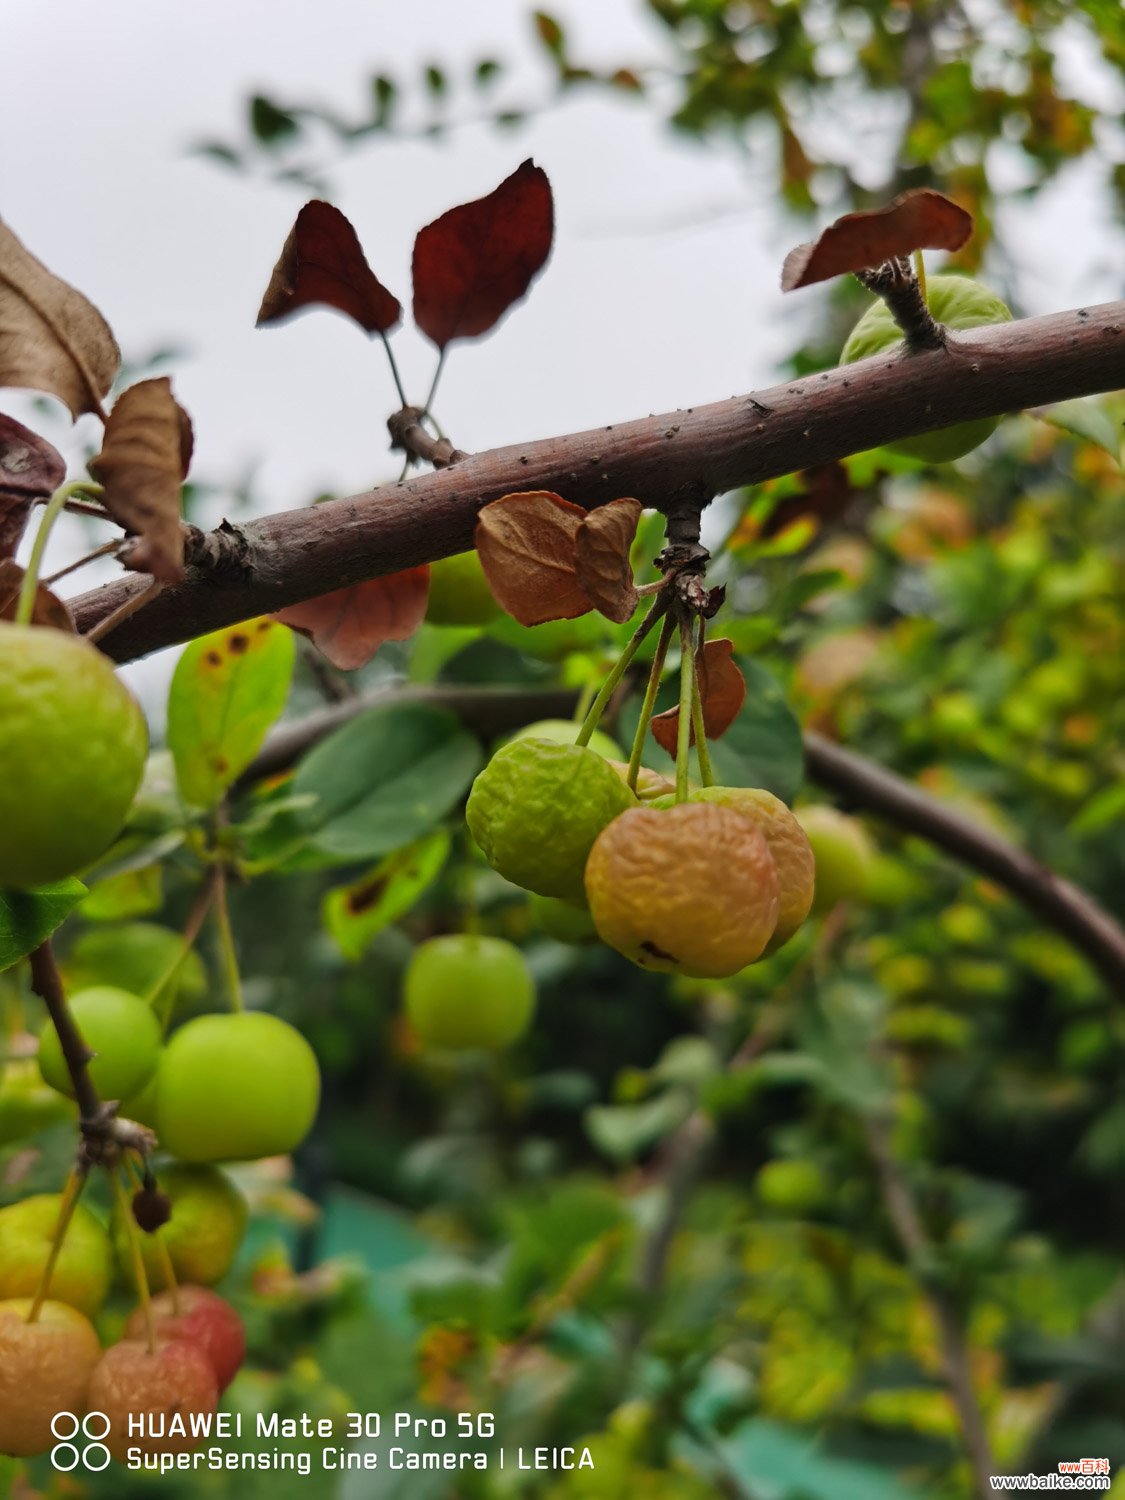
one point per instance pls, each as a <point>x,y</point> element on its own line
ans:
<point>464,991</point>
<point>45,1368</point>
<point>843,854</point>
<point>536,809</point>
<point>122,1032</point>
<point>203,1234</point>
<point>175,1379</point>
<point>459,592</point>
<point>84,1268</point>
<point>71,755</point>
<point>235,1088</point>
<point>199,1316</point>
<point>565,732</point>
<point>959,303</point>
<point>791,1187</point>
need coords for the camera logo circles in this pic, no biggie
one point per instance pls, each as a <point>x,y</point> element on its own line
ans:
<point>66,1455</point>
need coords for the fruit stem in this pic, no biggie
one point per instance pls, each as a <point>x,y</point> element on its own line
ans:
<point>163,1255</point>
<point>192,928</point>
<point>226,940</point>
<point>74,1185</point>
<point>620,667</point>
<point>467,886</point>
<point>47,984</point>
<point>129,1224</point>
<point>683,725</point>
<point>435,381</point>
<point>651,689</point>
<point>703,754</point>
<point>25,608</point>
<point>920,272</point>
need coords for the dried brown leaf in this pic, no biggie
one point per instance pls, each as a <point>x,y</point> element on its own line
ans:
<point>30,470</point>
<point>526,543</point>
<point>144,459</point>
<point>476,260</point>
<point>602,562</point>
<point>322,264</point>
<point>349,625</point>
<point>722,689</point>
<point>51,338</point>
<point>49,608</point>
<point>918,220</point>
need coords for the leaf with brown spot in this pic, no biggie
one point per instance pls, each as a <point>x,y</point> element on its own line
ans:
<point>322,264</point>
<point>722,689</point>
<point>51,338</point>
<point>144,460</point>
<point>602,563</point>
<point>30,470</point>
<point>527,546</point>
<point>918,220</point>
<point>349,625</point>
<point>474,262</point>
<point>49,609</point>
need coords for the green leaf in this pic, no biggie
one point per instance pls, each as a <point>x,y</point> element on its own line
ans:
<point>27,918</point>
<point>227,689</point>
<point>356,913</point>
<point>1085,418</point>
<point>131,893</point>
<point>623,1131</point>
<point>763,746</point>
<point>1101,811</point>
<point>384,780</point>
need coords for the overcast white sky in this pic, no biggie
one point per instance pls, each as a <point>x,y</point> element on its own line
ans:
<point>100,103</point>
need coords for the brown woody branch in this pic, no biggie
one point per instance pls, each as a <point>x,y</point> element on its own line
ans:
<point>673,462</point>
<point>490,712</point>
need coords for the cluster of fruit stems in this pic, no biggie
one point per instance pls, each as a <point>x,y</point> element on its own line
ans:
<point>692,630</point>
<point>121,1194</point>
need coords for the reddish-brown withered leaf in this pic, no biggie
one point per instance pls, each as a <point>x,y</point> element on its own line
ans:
<point>30,470</point>
<point>349,625</point>
<point>145,455</point>
<point>476,260</point>
<point>526,543</point>
<point>918,220</point>
<point>49,609</point>
<point>722,688</point>
<point>602,558</point>
<point>51,338</point>
<point>322,264</point>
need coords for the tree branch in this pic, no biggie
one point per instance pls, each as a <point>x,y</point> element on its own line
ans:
<point>1068,908</point>
<point>494,711</point>
<point>666,461</point>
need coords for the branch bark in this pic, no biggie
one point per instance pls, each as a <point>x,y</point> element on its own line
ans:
<point>494,711</point>
<point>666,461</point>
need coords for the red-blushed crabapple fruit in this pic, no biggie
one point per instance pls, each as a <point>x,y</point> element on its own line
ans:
<point>167,1387</point>
<point>202,1317</point>
<point>45,1368</point>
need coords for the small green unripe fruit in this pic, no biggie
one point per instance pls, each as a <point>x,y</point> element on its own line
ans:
<point>843,855</point>
<point>84,1269</point>
<point>464,991</point>
<point>236,1088</point>
<point>459,592</point>
<point>27,1105</point>
<point>959,303</point>
<point>72,752</point>
<point>122,1032</point>
<point>565,732</point>
<point>792,1187</point>
<point>202,1236</point>
<point>565,921</point>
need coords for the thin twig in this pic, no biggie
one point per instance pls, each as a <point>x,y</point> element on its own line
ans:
<point>129,607</point>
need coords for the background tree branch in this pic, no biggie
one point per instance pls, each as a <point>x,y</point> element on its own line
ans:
<point>861,783</point>
<point>684,456</point>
